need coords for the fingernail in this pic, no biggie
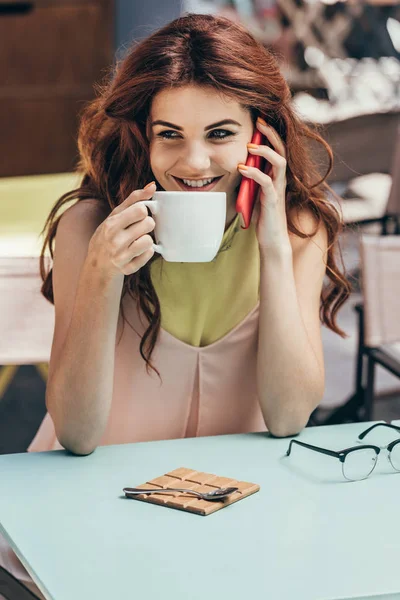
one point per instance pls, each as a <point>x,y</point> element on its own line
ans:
<point>260,120</point>
<point>149,184</point>
<point>255,146</point>
<point>242,167</point>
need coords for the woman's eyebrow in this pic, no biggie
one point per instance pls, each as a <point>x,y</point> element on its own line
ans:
<point>218,124</point>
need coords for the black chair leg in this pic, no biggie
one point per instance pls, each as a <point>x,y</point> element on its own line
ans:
<point>369,392</point>
<point>348,412</point>
<point>12,589</point>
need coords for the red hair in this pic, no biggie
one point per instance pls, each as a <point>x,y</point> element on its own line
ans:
<point>211,51</point>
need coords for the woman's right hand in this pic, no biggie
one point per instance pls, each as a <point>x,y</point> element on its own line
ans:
<point>122,244</point>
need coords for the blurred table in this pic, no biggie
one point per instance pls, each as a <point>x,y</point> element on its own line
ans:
<point>25,203</point>
<point>26,318</point>
<point>306,535</point>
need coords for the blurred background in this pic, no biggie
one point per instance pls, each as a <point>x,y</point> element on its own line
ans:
<point>342,62</point>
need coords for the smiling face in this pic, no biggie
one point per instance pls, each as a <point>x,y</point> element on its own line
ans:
<point>196,135</point>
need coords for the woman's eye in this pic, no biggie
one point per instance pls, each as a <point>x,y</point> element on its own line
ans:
<point>169,135</point>
<point>165,134</point>
<point>225,133</point>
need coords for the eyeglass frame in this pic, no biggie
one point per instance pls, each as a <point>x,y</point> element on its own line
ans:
<point>341,454</point>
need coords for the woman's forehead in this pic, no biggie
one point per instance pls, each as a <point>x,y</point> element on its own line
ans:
<point>194,101</point>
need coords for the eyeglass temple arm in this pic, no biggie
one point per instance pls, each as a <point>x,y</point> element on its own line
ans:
<point>316,448</point>
<point>364,433</point>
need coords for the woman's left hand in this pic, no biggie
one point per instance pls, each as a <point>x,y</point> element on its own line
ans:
<point>269,215</point>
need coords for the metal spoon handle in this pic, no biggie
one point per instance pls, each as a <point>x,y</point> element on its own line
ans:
<point>137,491</point>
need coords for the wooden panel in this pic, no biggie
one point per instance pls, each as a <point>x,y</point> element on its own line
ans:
<point>53,44</point>
<point>41,3</point>
<point>38,136</point>
<point>52,54</point>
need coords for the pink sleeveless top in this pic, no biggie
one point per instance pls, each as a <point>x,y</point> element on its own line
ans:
<point>209,390</point>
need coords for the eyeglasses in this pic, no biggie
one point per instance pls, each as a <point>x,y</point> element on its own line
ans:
<point>358,462</point>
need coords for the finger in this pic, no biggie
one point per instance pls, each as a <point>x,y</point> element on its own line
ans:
<point>135,231</point>
<point>276,160</point>
<point>135,249</point>
<point>136,213</point>
<point>137,263</point>
<point>125,237</point>
<point>142,244</point>
<point>273,137</point>
<point>135,196</point>
<point>261,178</point>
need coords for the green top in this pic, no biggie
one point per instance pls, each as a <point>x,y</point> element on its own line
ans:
<point>202,302</point>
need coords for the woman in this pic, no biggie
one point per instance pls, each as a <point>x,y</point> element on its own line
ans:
<point>223,347</point>
<point>152,123</point>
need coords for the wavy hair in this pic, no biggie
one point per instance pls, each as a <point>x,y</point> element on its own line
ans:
<point>205,50</point>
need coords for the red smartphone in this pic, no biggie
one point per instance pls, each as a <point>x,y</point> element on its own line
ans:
<point>248,187</point>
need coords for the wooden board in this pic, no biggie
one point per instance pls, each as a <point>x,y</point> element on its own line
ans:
<point>52,54</point>
<point>194,480</point>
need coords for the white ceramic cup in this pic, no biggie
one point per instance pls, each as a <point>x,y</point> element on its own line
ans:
<point>189,225</point>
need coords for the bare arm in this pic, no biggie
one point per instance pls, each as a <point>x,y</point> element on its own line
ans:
<point>87,293</point>
<point>79,390</point>
<point>290,363</point>
<point>290,355</point>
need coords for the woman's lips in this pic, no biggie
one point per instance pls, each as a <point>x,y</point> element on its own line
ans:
<point>204,188</point>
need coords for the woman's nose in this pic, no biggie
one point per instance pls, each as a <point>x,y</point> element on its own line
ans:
<point>197,158</point>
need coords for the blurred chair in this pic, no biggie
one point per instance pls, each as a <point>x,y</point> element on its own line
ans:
<point>377,197</point>
<point>380,340</point>
<point>374,200</point>
<point>378,327</point>
<point>26,319</point>
<point>375,248</point>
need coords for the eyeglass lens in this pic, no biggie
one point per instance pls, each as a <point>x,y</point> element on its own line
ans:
<point>395,457</point>
<point>359,464</point>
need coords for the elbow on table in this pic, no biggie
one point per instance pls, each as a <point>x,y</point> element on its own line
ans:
<point>288,414</point>
<point>286,427</point>
<point>68,437</point>
<point>294,419</point>
<point>77,448</point>
<point>75,444</point>
<point>281,430</point>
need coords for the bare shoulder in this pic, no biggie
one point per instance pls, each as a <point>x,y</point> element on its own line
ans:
<point>74,231</point>
<point>76,227</point>
<point>83,215</point>
<point>306,222</point>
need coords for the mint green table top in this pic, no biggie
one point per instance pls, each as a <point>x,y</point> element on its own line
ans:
<point>307,535</point>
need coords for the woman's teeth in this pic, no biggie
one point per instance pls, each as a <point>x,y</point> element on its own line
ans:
<point>198,184</point>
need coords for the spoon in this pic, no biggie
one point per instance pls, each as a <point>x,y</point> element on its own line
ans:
<point>215,495</point>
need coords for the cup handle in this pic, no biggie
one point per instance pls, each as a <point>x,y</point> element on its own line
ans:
<point>153,206</point>
<point>158,248</point>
